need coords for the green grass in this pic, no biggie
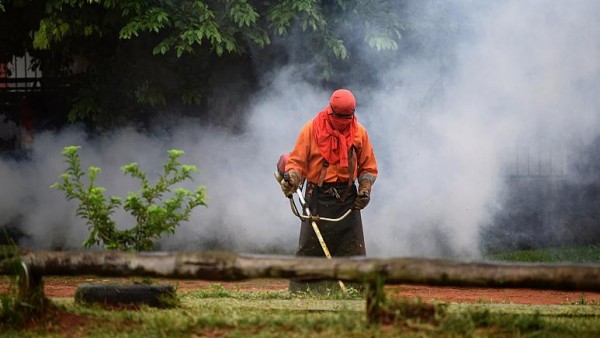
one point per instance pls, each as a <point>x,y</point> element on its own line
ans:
<point>218,291</point>
<point>248,314</point>
<point>583,254</point>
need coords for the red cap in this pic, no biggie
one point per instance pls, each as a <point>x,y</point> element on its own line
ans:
<point>343,102</point>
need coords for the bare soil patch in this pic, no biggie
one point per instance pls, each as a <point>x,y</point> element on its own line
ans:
<point>66,286</point>
<point>490,295</point>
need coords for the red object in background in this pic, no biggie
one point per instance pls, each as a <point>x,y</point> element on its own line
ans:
<point>3,74</point>
<point>26,121</point>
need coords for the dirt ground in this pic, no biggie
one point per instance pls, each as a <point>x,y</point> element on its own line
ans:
<point>66,286</point>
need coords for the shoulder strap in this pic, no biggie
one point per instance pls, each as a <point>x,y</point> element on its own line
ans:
<point>322,173</point>
<point>352,163</point>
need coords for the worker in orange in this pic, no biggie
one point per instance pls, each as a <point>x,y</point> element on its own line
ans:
<point>332,152</point>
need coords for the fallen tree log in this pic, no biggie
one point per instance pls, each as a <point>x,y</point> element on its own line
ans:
<point>223,266</point>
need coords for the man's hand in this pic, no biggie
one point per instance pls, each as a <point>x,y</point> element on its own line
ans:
<point>362,200</point>
<point>364,194</point>
<point>290,183</point>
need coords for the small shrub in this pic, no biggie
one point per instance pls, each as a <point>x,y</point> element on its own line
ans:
<point>155,212</point>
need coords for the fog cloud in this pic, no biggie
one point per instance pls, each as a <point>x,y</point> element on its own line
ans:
<point>444,128</point>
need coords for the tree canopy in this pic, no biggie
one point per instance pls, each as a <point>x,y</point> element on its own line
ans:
<point>127,58</point>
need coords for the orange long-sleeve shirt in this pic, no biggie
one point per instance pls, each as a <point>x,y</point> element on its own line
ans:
<point>307,160</point>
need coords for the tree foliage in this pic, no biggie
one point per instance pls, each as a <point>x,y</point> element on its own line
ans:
<point>130,56</point>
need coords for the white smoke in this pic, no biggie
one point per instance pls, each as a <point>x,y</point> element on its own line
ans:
<point>527,75</point>
<point>524,72</point>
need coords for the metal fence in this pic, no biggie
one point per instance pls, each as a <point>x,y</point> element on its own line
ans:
<point>20,75</point>
<point>525,161</point>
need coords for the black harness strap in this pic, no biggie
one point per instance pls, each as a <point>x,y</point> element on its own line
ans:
<point>352,162</point>
<point>323,172</point>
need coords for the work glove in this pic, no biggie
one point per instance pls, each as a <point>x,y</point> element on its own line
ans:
<point>364,194</point>
<point>290,183</point>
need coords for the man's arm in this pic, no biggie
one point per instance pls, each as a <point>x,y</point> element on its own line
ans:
<point>298,160</point>
<point>367,164</point>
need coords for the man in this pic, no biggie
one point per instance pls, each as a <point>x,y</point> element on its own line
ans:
<point>331,152</point>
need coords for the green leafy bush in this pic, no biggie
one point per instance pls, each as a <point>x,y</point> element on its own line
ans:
<point>156,208</point>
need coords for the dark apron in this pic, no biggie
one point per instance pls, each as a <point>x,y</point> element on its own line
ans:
<point>344,238</point>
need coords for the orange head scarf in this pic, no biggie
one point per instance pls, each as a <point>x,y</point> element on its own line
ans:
<point>335,126</point>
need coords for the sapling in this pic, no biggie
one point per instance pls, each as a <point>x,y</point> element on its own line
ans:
<point>157,208</point>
